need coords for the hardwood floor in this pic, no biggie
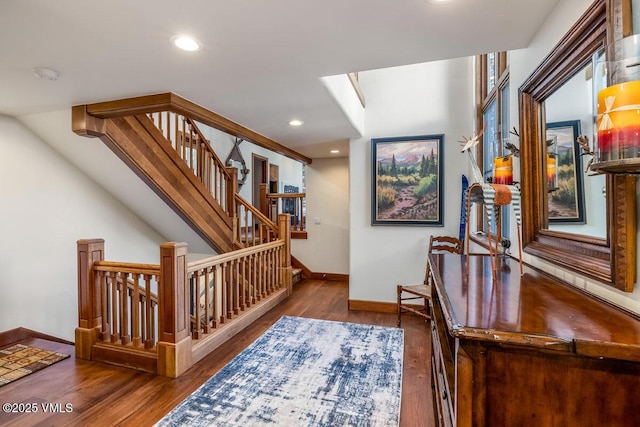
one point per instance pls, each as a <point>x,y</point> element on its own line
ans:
<point>105,395</point>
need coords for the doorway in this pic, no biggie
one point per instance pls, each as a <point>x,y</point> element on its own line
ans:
<point>259,176</point>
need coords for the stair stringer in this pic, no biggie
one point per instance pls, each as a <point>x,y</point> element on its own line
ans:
<point>143,148</point>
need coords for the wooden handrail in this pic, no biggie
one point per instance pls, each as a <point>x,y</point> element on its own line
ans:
<point>125,267</point>
<point>252,226</point>
<point>285,195</point>
<point>208,147</point>
<point>262,217</point>
<point>219,259</point>
<point>188,141</point>
<point>174,103</point>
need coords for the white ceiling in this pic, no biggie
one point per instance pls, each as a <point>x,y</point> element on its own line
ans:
<point>261,60</point>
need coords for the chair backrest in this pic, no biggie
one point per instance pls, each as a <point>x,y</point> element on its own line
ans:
<point>439,244</point>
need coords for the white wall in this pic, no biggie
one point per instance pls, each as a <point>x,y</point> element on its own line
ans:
<point>431,98</point>
<point>326,249</point>
<point>521,65</point>
<point>47,204</point>
<point>94,159</point>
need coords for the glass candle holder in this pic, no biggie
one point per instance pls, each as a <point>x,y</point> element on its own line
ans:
<point>552,163</point>
<point>617,89</point>
<point>503,170</point>
<point>552,173</point>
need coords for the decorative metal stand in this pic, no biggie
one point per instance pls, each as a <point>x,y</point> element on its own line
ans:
<point>493,197</point>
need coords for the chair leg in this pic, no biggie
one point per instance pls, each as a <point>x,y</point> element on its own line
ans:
<point>399,310</point>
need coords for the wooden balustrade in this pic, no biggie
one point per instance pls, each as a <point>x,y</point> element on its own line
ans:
<point>252,227</point>
<point>294,204</point>
<point>224,286</point>
<point>192,147</point>
<point>150,316</point>
<point>129,307</point>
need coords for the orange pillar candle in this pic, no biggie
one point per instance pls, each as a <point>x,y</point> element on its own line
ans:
<point>503,170</point>
<point>619,121</point>
<point>551,173</point>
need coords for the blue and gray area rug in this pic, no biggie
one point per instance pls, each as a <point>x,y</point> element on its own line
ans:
<point>304,372</point>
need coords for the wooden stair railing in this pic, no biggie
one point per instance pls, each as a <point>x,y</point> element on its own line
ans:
<point>130,310</point>
<point>158,138</point>
<point>274,204</point>
<point>251,226</point>
<point>229,284</point>
<point>163,318</point>
<point>196,151</point>
<point>143,147</point>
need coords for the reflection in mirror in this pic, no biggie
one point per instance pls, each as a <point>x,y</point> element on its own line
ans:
<point>576,200</point>
<point>611,260</point>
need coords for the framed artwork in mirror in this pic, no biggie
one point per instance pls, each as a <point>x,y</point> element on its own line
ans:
<point>406,187</point>
<point>566,195</point>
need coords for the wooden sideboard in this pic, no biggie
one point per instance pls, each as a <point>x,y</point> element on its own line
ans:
<point>528,350</point>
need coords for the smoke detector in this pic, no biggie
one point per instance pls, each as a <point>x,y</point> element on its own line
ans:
<point>46,73</point>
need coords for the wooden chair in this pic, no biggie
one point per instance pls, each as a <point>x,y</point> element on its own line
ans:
<point>437,244</point>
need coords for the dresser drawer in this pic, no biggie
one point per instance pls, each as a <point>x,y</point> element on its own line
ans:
<point>443,395</point>
<point>443,414</point>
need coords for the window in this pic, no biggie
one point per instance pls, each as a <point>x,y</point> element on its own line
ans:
<point>492,71</point>
<point>492,93</point>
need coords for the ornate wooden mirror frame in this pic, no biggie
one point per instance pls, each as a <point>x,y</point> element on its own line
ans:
<point>611,260</point>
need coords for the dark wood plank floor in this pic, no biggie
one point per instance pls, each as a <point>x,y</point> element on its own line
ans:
<point>104,395</point>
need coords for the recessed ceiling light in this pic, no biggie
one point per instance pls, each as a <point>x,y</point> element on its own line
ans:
<point>437,1</point>
<point>46,73</point>
<point>185,43</point>
<point>335,151</point>
<point>296,122</point>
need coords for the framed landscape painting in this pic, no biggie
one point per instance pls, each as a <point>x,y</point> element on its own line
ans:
<point>566,200</point>
<point>406,187</point>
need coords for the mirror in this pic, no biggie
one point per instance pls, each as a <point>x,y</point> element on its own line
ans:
<point>575,198</point>
<point>607,255</point>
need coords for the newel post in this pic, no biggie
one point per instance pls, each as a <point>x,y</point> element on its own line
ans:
<point>264,206</point>
<point>89,297</point>
<point>284,229</point>
<point>231,191</point>
<point>174,339</point>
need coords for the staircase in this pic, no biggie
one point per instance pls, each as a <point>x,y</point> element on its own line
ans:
<point>296,275</point>
<point>162,318</point>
